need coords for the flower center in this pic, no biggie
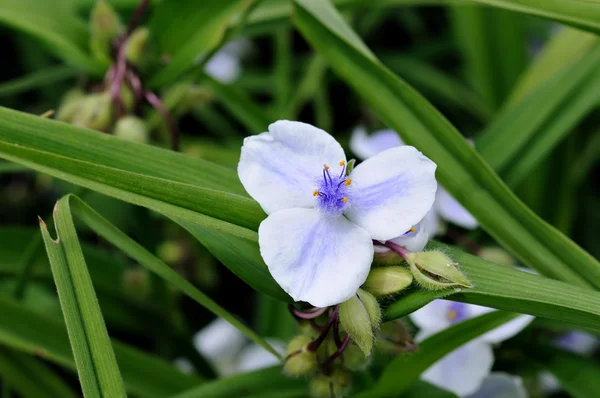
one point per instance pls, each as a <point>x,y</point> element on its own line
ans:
<point>333,191</point>
<point>457,312</point>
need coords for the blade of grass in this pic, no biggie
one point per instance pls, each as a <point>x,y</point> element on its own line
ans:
<point>96,364</point>
<point>36,79</point>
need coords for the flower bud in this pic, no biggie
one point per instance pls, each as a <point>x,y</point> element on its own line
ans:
<point>298,359</point>
<point>105,22</point>
<point>497,255</point>
<point>95,112</point>
<point>394,337</point>
<point>70,104</point>
<point>335,385</point>
<point>383,281</point>
<point>353,358</point>
<point>435,271</point>
<point>136,46</point>
<point>386,257</point>
<point>359,316</point>
<point>136,282</point>
<point>132,128</point>
<point>350,166</point>
<point>171,252</point>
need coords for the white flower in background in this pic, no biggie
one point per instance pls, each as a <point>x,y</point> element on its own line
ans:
<point>229,351</point>
<point>464,369</point>
<point>318,237</point>
<point>575,341</point>
<point>501,385</point>
<point>445,207</point>
<point>226,64</point>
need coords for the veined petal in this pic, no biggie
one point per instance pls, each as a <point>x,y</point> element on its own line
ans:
<point>280,168</point>
<point>392,191</point>
<point>504,332</point>
<point>501,385</point>
<point>364,146</point>
<point>450,210</point>
<point>463,370</point>
<point>219,340</point>
<point>320,260</point>
<point>433,317</point>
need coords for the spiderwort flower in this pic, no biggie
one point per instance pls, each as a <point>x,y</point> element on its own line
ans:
<point>226,64</point>
<point>318,237</point>
<point>446,207</point>
<point>464,370</point>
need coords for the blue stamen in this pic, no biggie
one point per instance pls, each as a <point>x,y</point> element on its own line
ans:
<point>332,193</point>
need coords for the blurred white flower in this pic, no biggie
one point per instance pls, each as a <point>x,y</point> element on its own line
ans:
<point>463,370</point>
<point>229,351</point>
<point>226,64</point>
<point>445,207</point>
<point>500,385</point>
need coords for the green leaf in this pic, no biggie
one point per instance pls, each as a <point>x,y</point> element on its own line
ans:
<point>26,330</point>
<point>525,133</point>
<point>30,377</point>
<point>405,369</point>
<point>258,382</point>
<point>64,33</point>
<point>134,250</point>
<point>423,389</point>
<point>187,29</point>
<point>482,34</point>
<point>509,289</point>
<point>462,172</point>
<point>579,376</point>
<point>96,364</point>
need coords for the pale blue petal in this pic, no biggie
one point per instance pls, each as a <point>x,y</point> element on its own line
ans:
<point>392,191</point>
<point>280,169</point>
<point>450,210</point>
<point>320,260</point>
<point>501,385</point>
<point>364,146</point>
<point>413,241</point>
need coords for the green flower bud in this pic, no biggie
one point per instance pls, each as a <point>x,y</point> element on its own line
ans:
<point>171,252</point>
<point>70,104</point>
<point>136,46</point>
<point>435,271</point>
<point>359,316</point>
<point>394,337</point>
<point>298,359</point>
<point>136,282</point>
<point>95,112</point>
<point>335,385</point>
<point>105,22</point>
<point>354,359</point>
<point>132,128</point>
<point>387,258</point>
<point>350,166</point>
<point>306,328</point>
<point>497,255</point>
<point>127,98</point>
<point>383,281</point>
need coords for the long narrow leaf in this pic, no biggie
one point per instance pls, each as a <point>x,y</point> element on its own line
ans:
<point>98,370</point>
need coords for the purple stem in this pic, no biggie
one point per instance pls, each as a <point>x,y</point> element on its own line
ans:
<point>333,317</point>
<point>158,105</point>
<point>135,19</point>
<point>136,85</point>
<point>119,76</point>
<point>336,334</point>
<point>327,364</point>
<point>311,314</point>
<point>397,248</point>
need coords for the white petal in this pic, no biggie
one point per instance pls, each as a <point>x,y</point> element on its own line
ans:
<point>223,67</point>
<point>280,168</point>
<point>364,146</point>
<point>219,340</point>
<point>392,191</point>
<point>432,317</point>
<point>501,385</point>
<point>413,241</point>
<point>463,370</point>
<point>320,260</point>
<point>548,383</point>
<point>432,223</point>
<point>508,330</point>
<point>254,357</point>
<point>184,365</point>
<point>449,209</point>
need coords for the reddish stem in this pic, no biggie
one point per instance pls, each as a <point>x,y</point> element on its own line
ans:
<point>333,317</point>
<point>327,364</point>
<point>158,105</point>
<point>137,15</point>
<point>397,248</point>
<point>310,314</point>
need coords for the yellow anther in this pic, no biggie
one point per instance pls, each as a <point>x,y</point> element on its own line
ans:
<point>412,229</point>
<point>348,182</point>
<point>343,162</point>
<point>315,193</point>
<point>345,199</point>
<point>452,315</point>
<point>325,166</point>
